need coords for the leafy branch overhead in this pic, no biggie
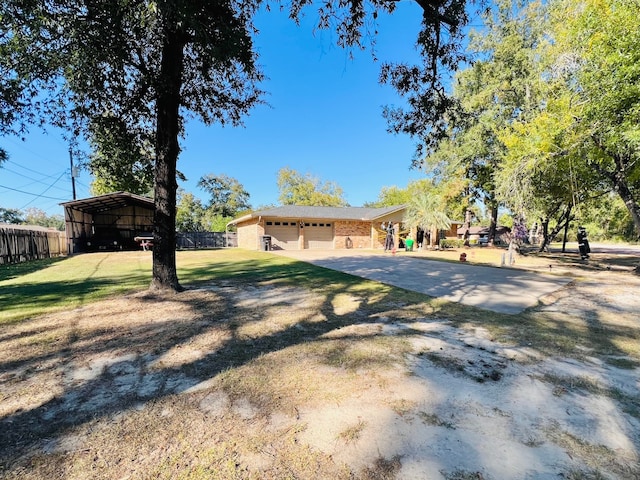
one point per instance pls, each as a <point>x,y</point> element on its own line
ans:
<point>151,65</point>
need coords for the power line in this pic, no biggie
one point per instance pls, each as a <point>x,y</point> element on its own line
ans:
<point>33,194</point>
<point>35,180</point>
<point>46,189</point>
<point>25,168</point>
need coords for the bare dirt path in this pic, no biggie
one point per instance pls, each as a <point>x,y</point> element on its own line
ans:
<point>270,382</point>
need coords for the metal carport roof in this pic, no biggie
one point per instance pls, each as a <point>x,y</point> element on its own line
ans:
<point>109,201</point>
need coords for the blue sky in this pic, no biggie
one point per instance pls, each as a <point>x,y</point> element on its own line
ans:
<point>324,118</point>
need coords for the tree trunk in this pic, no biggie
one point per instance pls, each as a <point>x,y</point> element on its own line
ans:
<point>627,197</point>
<point>620,183</point>
<point>566,234</point>
<point>634,210</point>
<point>544,222</point>
<point>565,218</point>
<point>165,274</point>
<point>494,223</point>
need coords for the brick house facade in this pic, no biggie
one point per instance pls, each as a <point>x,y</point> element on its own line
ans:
<point>302,227</point>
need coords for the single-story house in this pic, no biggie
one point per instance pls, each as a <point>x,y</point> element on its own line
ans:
<point>107,222</point>
<point>481,234</point>
<point>294,227</point>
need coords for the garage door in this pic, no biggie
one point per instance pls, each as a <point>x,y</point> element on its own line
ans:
<point>318,235</point>
<point>284,234</point>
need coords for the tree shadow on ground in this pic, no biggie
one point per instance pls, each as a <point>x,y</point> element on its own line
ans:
<point>97,364</point>
<point>82,368</point>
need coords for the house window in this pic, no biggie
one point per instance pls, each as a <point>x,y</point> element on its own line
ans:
<point>328,225</point>
<point>277,223</point>
<point>269,223</point>
<point>307,224</point>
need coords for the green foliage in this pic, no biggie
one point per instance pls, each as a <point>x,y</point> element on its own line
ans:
<point>607,219</point>
<point>463,148</point>
<point>190,214</point>
<point>11,215</point>
<point>228,196</point>
<point>218,223</point>
<point>422,85</point>
<point>35,216</point>
<point>31,216</point>
<point>298,189</point>
<point>122,160</point>
<point>390,196</point>
<point>193,216</point>
<point>582,141</point>
<point>426,210</point>
<point>451,243</point>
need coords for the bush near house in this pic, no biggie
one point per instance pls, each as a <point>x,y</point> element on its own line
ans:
<point>451,243</point>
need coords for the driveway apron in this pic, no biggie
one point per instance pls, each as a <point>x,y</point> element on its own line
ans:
<point>503,290</point>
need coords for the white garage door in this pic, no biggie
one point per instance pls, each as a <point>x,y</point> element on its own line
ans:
<point>284,234</point>
<point>318,235</point>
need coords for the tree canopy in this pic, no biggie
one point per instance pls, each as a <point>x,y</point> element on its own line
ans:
<point>149,65</point>
<point>544,120</point>
<point>228,196</point>
<point>298,189</point>
<point>120,160</point>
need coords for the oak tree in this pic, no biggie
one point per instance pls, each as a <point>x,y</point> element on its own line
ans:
<point>150,64</point>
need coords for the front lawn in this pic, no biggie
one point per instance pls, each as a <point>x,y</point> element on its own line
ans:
<point>269,368</point>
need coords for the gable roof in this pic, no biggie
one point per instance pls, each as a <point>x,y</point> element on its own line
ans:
<point>325,213</point>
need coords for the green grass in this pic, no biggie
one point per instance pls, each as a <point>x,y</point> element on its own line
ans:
<point>44,286</point>
<point>281,357</point>
<point>39,287</point>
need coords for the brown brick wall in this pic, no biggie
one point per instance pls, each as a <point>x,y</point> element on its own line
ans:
<point>249,234</point>
<point>359,234</point>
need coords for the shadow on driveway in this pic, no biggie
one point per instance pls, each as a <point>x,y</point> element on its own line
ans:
<point>503,290</point>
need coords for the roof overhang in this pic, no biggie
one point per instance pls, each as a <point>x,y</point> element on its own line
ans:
<point>110,201</point>
<point>326,213</point>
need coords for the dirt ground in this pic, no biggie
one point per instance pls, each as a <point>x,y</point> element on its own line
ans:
<point>264,381</point>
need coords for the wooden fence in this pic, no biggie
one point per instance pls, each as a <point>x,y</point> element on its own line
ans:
<point>21,243</point>
<point>206,239</point>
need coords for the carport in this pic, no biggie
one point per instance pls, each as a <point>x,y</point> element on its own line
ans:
<point>110,221</point>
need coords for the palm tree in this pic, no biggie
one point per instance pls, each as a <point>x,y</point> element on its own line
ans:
<point>425,211</point>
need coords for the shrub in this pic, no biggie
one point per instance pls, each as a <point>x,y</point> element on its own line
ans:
<point>451,243</point>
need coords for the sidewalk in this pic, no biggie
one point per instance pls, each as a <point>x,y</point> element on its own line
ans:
<point>503,290</point>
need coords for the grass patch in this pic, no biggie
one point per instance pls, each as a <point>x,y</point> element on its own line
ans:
<point>623,363</point>
<point>232,377</point>
<point>34,288</point>
<point>591,455</point>
<point>434,420</point>
<point>565,384</point>
<point>352,434</point>
<point>51,285</point>
<point>383,469</point>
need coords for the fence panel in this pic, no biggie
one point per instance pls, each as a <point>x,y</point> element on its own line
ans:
<point>206,240</point>
<point>22,243</point>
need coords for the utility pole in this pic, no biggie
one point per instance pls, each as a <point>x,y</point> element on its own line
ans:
<point>73,177</point>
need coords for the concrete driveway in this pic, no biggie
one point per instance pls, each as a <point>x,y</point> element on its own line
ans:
<point>503,290</point>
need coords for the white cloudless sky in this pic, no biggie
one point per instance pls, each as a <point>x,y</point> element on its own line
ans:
<point>324,117</point>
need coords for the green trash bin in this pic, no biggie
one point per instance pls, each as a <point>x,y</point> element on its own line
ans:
<point>408,243</point>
